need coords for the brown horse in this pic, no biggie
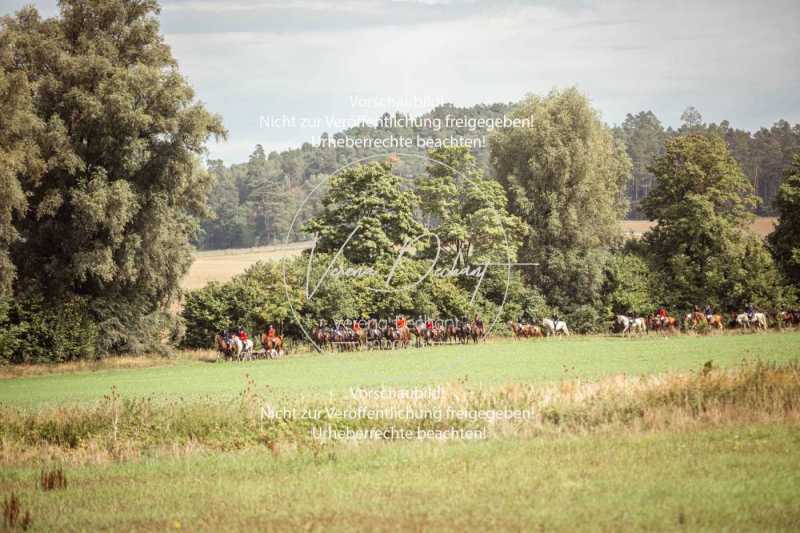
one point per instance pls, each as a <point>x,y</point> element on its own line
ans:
<point>656,323</point>
<point>696,318</point>
<point>404,336</point>
<point>525,331</point>
<point>223,348</point>
<point>273,345</point>
<point>478,331</point>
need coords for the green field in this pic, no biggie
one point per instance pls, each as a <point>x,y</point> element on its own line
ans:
<point>494,363</point>
<point>180,445</point>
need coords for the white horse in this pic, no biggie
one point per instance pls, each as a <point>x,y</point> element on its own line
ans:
<point>630,325</point>
<point>242,351</point>
<point>759,321</point>
<point>555,327</point>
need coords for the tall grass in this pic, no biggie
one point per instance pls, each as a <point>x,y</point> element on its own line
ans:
<point>118,428</point>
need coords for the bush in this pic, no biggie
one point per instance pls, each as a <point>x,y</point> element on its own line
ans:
<point>34,332</point>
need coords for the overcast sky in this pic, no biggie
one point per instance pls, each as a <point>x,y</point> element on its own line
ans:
<point>247,59</point>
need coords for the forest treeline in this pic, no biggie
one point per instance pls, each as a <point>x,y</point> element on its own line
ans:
<point>103,191</point>
<point>253,203</point>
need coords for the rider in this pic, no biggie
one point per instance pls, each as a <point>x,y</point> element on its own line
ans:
<point>751,311</point>
<point>709,312</point>
<point>242,334</point>
<point>357,326</point>
<point>478,321</point>
<point>662,314</point>
<point>271,331</point>
<point>400,322</point>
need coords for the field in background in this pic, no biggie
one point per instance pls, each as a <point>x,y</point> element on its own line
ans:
<point>222,265</point>
<point>762,226</point>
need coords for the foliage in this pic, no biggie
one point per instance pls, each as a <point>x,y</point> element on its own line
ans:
<point>35,331</point>
<point>644,138</point>
<point>785,240</point>
<point>628,286</point>
<point>563,176</point>
<point>466,210</point>
<point>117,191</point>
<point>700,249</point>
<point>369,203</point>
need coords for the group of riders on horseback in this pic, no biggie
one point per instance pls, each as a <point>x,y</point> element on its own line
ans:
<point>235,344</point>
<point>357,334</point>
<point>550,326</point>
<point>707,318</point>
<point>661,321</point>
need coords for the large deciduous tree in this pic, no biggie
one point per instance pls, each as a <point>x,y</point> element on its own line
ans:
<point>701,248</point>
<point>785,240</point>
<point>369,202</point>
<point>466,210</point>
<point>564,174</point>
<point>110,209</point>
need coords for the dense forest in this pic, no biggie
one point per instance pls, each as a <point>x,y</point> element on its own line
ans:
<point>253,203</point>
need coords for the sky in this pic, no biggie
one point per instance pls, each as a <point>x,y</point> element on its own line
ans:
<point>281,73</point>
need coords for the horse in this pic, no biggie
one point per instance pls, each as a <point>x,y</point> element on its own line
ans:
<point>420,334</point>
<point>450,333</point>
<point>759,320</point>
<point>234,348</point>
<point>464,332</point>
<point>374,334</point>
<point>789,318</point>
<point>223,347</point>
<point>624,324</point>
<point>391,335</point>
<point>322,336</point>
<point>696,318</point>
<point>272,345</point>
<point>552,327</point>
<point>403,336</point>
<point>478,331</point>
<point>657,323</point>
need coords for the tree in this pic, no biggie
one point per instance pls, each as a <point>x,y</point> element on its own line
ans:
<point>20,158</point>
<point>370,203</point>
<point>692,120</point>
<point>466,210</point>
<point>644,138</point>
<point>701,248</point>
<point>628,285</point>
<point>110,214</point>
<point>785,240</point>
<point>563,174</point>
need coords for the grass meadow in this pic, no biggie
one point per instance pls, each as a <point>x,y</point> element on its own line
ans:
<point>191,375</point>
<point>683,432</point>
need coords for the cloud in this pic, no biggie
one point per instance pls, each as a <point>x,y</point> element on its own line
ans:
<point>733,59</point>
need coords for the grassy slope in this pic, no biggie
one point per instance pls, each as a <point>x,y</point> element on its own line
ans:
<point>495,363</point>
<point>730,478</point>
